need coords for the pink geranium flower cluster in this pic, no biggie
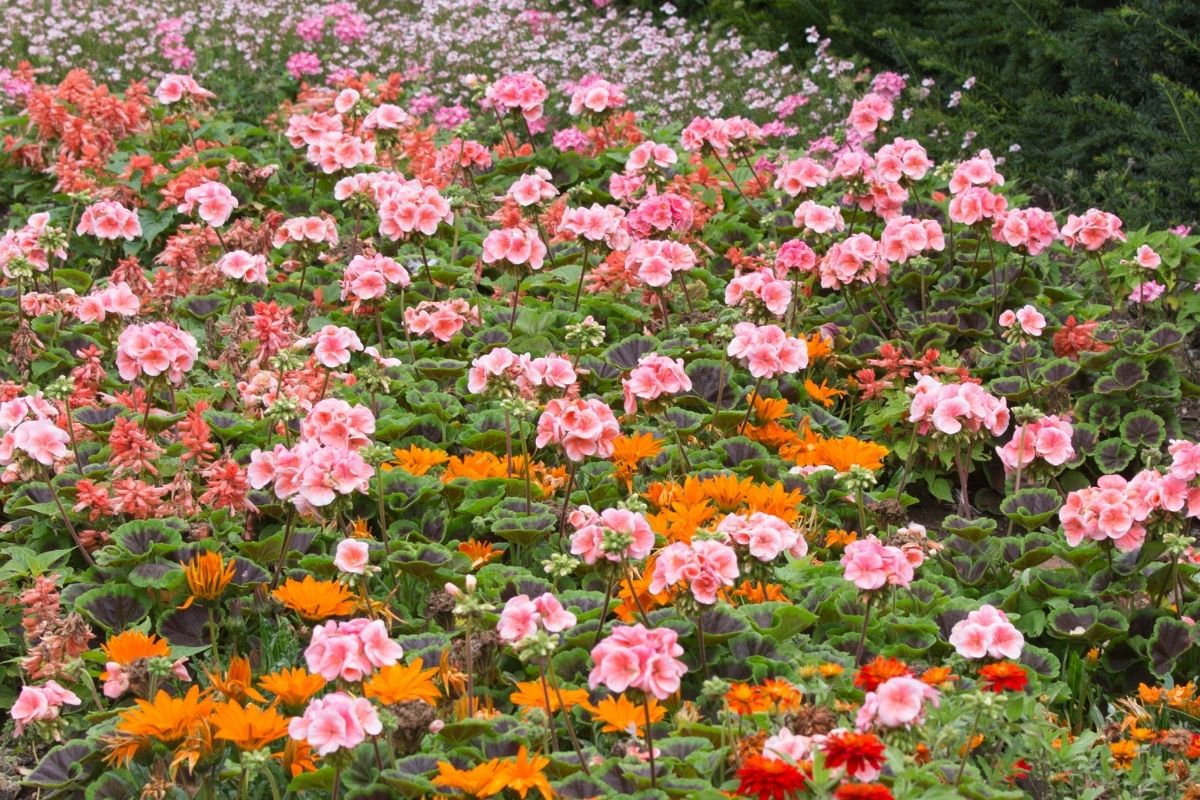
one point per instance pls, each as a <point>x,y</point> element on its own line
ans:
<point>592,540</point>
<point>1031,321</point>
<point>117,299</point>
<point>800,175</point>
<point>765,536</point>
<point>951,408</point>
<point>584,427</point>
<point>523,371</point>
<point>212,200</point>
<point>26,242</point>
<point>650,153</point>
<point>768,350</point>
<point>368,278</point>
<point>763,288</point>
<point>522,92</point>
<point>986,632</point>
<point>870,564</point>
<point>856,259</point>
<point>521,617</point>
<point>40,704</point>
<point>896,703</point>
<point>1116,509</point>
<point>904,237</point>
<point>243,266</point>
<point>595,95</point>
<point>333,345</point>
<point>515,246</point>
<point>336,722</point>
<point>1093,230</point>
<point>597,223</point>
<point>335,423</point>
<point>533,188</point>
<point>868,111</point>
<point>306,230</point>
<point>817,218</point>
<point>174,88</point>
<point>661,213</point>
<point>652,378</point>
<point>109,220</point>
<point>441,319</point>
<point>719,135</point>
<point>656,261</point>
<point>794,255</point>
<point>903,158</point>
<point>407,207</point>
<point>706,566</point>
<point>351,650</point>
<point>1048,438</point>
<point>636,657</point>
<point>1031,229</point>
<point>154,349</point>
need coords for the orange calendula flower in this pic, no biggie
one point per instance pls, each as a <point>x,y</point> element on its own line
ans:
<point>782,694</point>
<point>830,670</point>
<point>1123,753</point>
<point>479,552</point>
<point>296,757</point>
<point>292,686</point>
<point>400,683</point>
<point>531,694</point>
<point>630,451</point>
<point>485,780</point>
<point>819,346</point>
<point>621,715</point>
<point>417,460</point>
<point>315,600</point>
<point>524,773</point>
<point>744,699</point>
<point>249,727</point>
<point>750,592</point>
<point>129,646</point>
<point>235,683</point>
<point>476,467</point>
<point>823,394</point>
<point>841,453</point>
<point>774,499</point>
<point>875,672</point>
<point>208,575</point>
<point>770,409</point>
<point>163,720</point>
<point>936,676</point>
<point>839,538</point>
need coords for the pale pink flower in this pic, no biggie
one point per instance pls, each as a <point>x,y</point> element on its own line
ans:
<point>352,556</point>
<point>336,722</point>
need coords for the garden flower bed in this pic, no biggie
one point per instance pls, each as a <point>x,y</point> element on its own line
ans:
<point>475,430</point>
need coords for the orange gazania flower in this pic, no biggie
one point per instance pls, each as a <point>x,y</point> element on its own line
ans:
<point>129,646</point>
<point>751,592</point>
<point>315,600</point>
<point>620,715</point>
<point>523,773</point>
<point>875,672</point>
<point>1004,676</point>
<point>680,522</point>
<point>417,460</point>
<point>726,491</point>
<point>249,728</point>
<point>163,720</point>
<point>484,780</point>
<point>823,394</point>
<point>208,574</point>
<point>359,529</point>
<point>479,552</point>
<point>292,686</point>
<point>774,499</point>
<point>531,694</point>
<point>235,683</point>
<point>630,606</point>
<point>841,453</point>
<point>400,683</point>
<point>830,670</point>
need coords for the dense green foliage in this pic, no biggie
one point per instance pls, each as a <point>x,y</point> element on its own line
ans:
<point>1099,95</point>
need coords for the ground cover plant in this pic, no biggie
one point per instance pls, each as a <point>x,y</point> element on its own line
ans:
<point>427,435</point>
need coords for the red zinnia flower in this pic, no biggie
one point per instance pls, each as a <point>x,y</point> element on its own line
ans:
<point>1004,676</point>
<point>875,672</point>
<point>857,752</point>
<point>768,779</point>
<point>863,791</point>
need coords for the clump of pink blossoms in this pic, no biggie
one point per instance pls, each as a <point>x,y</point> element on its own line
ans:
<point>636,657</point>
